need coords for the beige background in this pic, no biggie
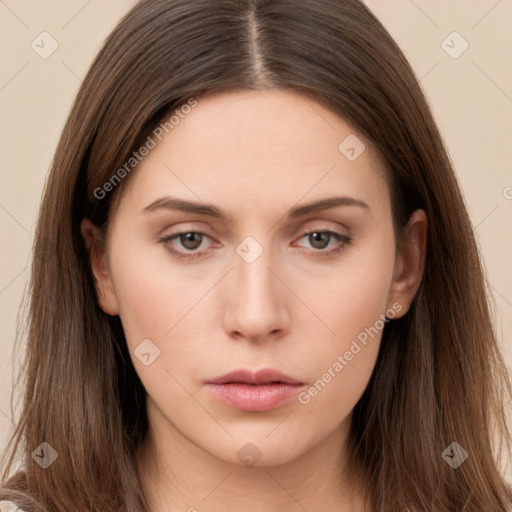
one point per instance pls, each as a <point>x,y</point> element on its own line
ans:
<point>471,97</point>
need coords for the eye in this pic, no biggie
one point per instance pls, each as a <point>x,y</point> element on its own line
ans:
<point>190,243</point>
<point>320,239</point>
<point>189,240</point>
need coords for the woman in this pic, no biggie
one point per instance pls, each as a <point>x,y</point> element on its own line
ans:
<point>255,283</point>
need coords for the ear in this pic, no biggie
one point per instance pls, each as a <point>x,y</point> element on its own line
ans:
<point>96,249</point>
<point>409,263</point>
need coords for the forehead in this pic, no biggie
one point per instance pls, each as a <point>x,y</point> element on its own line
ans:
<point>252,148</point>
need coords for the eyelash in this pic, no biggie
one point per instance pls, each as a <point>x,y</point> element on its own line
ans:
<point>343,239</point>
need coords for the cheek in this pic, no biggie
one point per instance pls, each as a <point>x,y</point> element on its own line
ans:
<point>150,290</point>
<point>353,304</point>
<point>352,295</point>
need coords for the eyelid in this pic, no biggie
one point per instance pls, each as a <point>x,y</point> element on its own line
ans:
<point>184,228</point>
<point>324,225</point>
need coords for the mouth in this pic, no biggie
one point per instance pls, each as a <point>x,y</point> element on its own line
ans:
<point>250,391</point>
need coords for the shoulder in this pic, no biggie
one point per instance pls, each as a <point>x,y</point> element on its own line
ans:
<point>9,506</point>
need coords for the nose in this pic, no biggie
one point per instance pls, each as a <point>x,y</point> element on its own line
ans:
<point>256,306</point>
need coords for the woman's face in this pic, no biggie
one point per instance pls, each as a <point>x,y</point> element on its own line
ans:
<point>218,260</point>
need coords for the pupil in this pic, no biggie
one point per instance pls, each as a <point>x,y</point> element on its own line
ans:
<point>317,237</point>
<point>191,240</point>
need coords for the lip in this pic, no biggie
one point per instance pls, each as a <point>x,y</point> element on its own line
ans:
<point>254,391</point>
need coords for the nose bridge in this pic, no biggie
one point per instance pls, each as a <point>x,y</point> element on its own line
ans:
<point>256,307</point>
<point>254,279</point>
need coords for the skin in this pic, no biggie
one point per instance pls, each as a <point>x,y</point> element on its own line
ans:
<point>254,155</point>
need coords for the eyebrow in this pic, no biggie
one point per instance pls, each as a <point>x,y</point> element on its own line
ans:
<point>171,203</point>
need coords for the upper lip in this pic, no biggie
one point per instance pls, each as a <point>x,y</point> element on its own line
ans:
<point>265,376</point>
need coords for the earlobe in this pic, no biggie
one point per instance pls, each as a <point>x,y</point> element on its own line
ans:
<point>410,263</point>
<point>96,250</point>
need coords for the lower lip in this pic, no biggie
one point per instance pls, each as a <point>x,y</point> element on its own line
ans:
<point>246,397</point>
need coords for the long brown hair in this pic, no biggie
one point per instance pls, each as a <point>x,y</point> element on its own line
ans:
<point>439,378</point>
